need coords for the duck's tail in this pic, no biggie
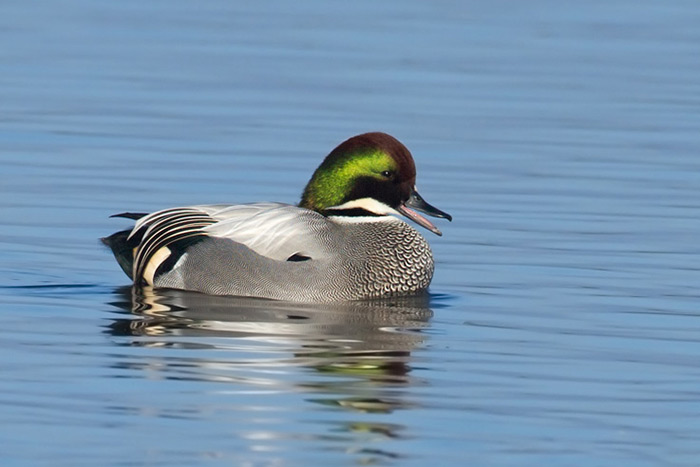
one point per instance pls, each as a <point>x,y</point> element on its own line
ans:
<point>122,246</point>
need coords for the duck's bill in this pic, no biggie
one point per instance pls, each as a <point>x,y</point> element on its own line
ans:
<point>416,203</point>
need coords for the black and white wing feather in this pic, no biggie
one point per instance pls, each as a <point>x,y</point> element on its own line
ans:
<point>278,231</point>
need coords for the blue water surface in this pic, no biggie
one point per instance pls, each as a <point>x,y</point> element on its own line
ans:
<point>563,322</point>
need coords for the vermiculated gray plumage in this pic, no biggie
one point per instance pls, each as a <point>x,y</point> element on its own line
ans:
<point>246,248</point>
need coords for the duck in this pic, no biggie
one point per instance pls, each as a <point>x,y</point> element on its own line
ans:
<point>344,241</point>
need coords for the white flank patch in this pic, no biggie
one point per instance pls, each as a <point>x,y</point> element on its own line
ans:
<point>156,260</point>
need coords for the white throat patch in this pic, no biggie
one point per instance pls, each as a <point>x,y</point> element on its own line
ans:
<point>368,204</point>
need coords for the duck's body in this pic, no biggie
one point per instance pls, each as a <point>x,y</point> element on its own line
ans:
<point>335,246</point>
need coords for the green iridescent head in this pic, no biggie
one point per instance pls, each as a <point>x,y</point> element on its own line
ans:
<point>372,173</point>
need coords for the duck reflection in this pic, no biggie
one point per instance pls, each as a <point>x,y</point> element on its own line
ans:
<point>356,350</point>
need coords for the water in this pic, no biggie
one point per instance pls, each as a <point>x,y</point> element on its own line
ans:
<point>563,322</point>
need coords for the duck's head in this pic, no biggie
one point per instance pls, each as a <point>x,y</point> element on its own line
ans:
<point>369,174</point>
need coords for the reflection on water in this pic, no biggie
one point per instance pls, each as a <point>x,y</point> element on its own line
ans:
<point>353,356</point>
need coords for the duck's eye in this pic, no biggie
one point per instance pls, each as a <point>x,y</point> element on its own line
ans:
<point>388,174</point>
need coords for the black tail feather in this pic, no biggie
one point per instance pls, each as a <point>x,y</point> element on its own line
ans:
<point>130,215</point>
<point>123,249</point>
